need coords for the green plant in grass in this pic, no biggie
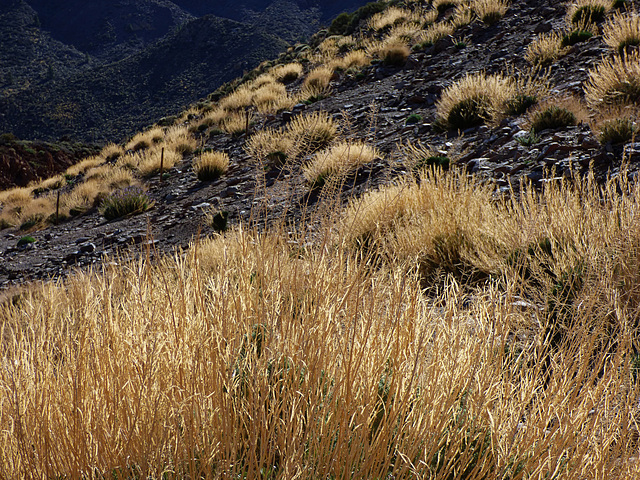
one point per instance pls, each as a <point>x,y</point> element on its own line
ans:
<point>574,37</point>
<point>440,161</point>
<point>520,104</point>
<point>529,139</point>
<point>125,202</point>
<point>31,221</point>
<point>618,130</point>
<point>469,112</point>
<point>551,118</point>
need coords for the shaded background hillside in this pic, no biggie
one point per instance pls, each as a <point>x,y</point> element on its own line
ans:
<point>97,72</point>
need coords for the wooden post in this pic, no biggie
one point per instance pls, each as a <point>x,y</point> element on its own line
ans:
<point>246,130</point>
<point>161,164</point>
<point>58,208</point>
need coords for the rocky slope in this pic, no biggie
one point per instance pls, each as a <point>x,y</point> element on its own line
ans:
<point>374,106</point>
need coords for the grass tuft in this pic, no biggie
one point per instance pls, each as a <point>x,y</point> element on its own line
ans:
<point>211,165</point>
<point>125,202</point>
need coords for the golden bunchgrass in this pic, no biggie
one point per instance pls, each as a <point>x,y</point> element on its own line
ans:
<point>490,11</point>
<point>262,352</point>
<point>622,31</point>
<point>148,163</point>
<point>435,32</point>
<point>287,73</point>
<point>587,11</point>
<point>235,123</point>
<point>337,161</point>
<point>84,165</point>
<point>319,77</point>
<point>545,49</point>
<point>474,99</point>
<point>211,165</point>
<point>390,17</point>
<point>313,131</point>
<point>615,81</point>
<point>179,139</point>
<point>145,139</point>
<point>270,144</point>
<point>354,59</point>
<point>271,98</point>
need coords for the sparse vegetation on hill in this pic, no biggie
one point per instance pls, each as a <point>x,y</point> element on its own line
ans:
<point>451,297</point>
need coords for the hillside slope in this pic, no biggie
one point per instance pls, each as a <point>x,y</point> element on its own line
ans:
<point>62,60</point>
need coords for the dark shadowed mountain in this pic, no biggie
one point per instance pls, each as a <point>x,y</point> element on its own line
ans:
<point>97,71</point>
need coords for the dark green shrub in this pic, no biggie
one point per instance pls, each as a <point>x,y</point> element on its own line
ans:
<point>341,24</point>
<point>520,104</point>
<point>469,112</point>
<point>576,36</point>
<point>128,201</point>
<point>440,161</point>
<point>8,139</point>
<point>552,117</point>
<point>619,130</point>
<point>25,240</point>
<point>413,119</point>
<point>588,14</point>
<point>219,221</point>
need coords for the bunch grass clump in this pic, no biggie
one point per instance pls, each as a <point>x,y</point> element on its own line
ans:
<point>588,11</point>
<point>490,11</point>
<point>552,117</point>
<point>474,100</point>
<point>615,81</point>
<point>287,73</point>
<point>312,132</point>
<point>338,160</point>
<point>125,202</point>
<point>618,131</point>
<point>545,49</point>
<point>210,165</point>
<point>622,31</point>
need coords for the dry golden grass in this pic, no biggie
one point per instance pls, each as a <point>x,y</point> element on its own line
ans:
<point>238,100</point>
<point>354,59</point>
<point>587,11</point>
<point>475,99</point>
<point>111,151</point>
<point>84,165</point>
<point>545,49</point>
<point>340,159</point>
<point>312,132</point>
<point>269,144</point>
<point>622,31</point>
<point>145,139</point>
<point>271,98</point>
<point>179,139</point>
<point>147,163</point>
<point>254,357</point>
<point>615,81</point>
<point>435,32</point>
<point>319,78</point>
<point>490,11</point>
<point>210,165</point>
<point>236,122</point>
<point>287,73</point>
<point>392,16</point>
